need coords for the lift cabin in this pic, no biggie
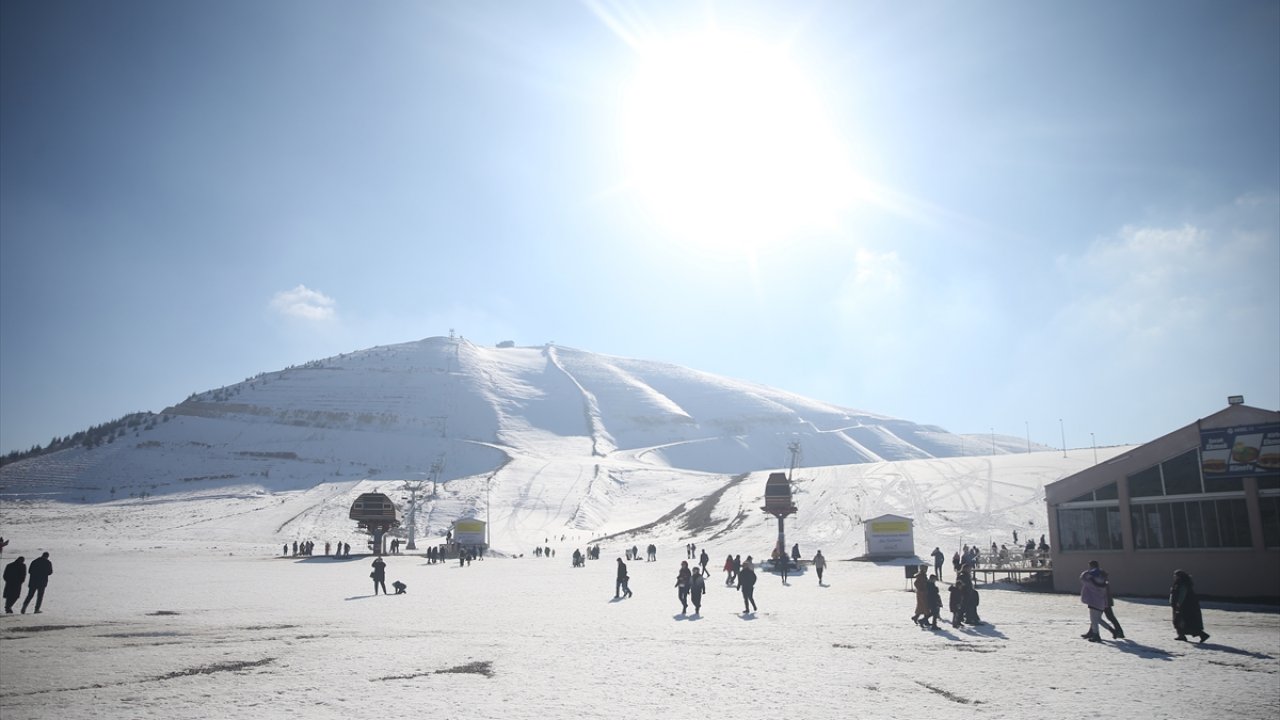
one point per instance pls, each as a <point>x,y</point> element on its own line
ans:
<point>777,496</point>
<point>375,514</point>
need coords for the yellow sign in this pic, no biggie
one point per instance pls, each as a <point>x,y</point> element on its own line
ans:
<point>468,526</point>
<point>896,526</point>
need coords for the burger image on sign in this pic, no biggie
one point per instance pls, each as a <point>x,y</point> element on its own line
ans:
<point>1246,449</point>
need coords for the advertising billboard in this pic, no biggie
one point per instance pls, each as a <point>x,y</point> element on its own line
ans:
<point>1241,451</point>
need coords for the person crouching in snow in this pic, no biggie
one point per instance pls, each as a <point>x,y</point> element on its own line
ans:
<point>399,587</point>
<point>1093,592</point>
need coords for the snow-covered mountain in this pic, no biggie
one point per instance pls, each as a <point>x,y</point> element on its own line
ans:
<point>538,439</point>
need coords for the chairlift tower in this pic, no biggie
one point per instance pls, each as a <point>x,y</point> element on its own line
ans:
<point>777,502</point>
<point>414,488</point>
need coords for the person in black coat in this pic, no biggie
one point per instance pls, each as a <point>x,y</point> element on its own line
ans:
<point>620,588</point>
<point>15,573</point>
<point>39,573</point>
<point>379,576</point>
<point>682,585</point>
<point>747,584</point>
<point>1187,619</point>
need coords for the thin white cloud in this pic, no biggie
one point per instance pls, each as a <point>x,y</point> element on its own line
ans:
<point>303,302</point>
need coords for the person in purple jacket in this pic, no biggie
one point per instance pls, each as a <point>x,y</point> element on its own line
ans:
<point>1093,593</point>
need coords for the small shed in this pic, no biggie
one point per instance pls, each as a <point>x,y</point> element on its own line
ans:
<point>890,536</point>
<point>468,532</point>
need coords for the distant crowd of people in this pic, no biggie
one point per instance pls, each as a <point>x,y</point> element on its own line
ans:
<point>1095,583</point>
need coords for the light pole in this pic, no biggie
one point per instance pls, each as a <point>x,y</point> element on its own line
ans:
<point>993,441</point>
<point>1028,423</point>
<point>1094,441</point>
<point>1063,428</point>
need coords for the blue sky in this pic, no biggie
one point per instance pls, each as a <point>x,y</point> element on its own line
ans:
<point>1021,216</point>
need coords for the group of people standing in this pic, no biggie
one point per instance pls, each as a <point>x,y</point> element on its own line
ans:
<point>306,548</point>
<point>962,601</point>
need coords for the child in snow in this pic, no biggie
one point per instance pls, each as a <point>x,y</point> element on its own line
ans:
<point>399,587</point>
<point>956,603</point>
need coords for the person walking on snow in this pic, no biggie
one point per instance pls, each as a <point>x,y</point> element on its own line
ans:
<point>1109,612</point>
<point>938,559</point>
<point>697,586</point>
<point>747,584</point>
<point>1187,619</point>
<point>728,570</point>
<point>620,585</point>
<point>1093,593</point>
<point>703,559</point>
<point>819,564</point>
<point>935,604</point>
<point>38,573</point>
<point>682,586</point>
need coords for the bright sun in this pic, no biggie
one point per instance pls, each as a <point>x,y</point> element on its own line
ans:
<point>728,143</point>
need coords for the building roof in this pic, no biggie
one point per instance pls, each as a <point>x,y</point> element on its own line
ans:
<point>887,517</point>
<point>1155,451</point>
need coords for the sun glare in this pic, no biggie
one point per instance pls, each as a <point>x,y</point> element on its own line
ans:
<point>728,144</point>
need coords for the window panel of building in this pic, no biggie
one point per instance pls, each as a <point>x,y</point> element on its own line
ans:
<point>1205,523</point>
<point>1112,538</point>
<point>1089,528</point>
<point>1270,507</point>
<point>1195,525</point>
<point>1239,522</point>
<point>1106,492</point>
<point>1180,529</point>
<point>1269,482</point>
<point>1209,512</point>
<point>1146,483</point>
<point>1182,474</point>
<point>1218,484</point>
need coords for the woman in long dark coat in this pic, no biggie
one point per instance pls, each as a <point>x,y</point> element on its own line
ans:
<point>1187,619</point>
<point>15,573</point>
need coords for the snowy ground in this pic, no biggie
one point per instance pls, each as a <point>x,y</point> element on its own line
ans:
<point>198,630</point>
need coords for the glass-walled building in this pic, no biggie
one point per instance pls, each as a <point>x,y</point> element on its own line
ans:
<point>1204,498</point>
